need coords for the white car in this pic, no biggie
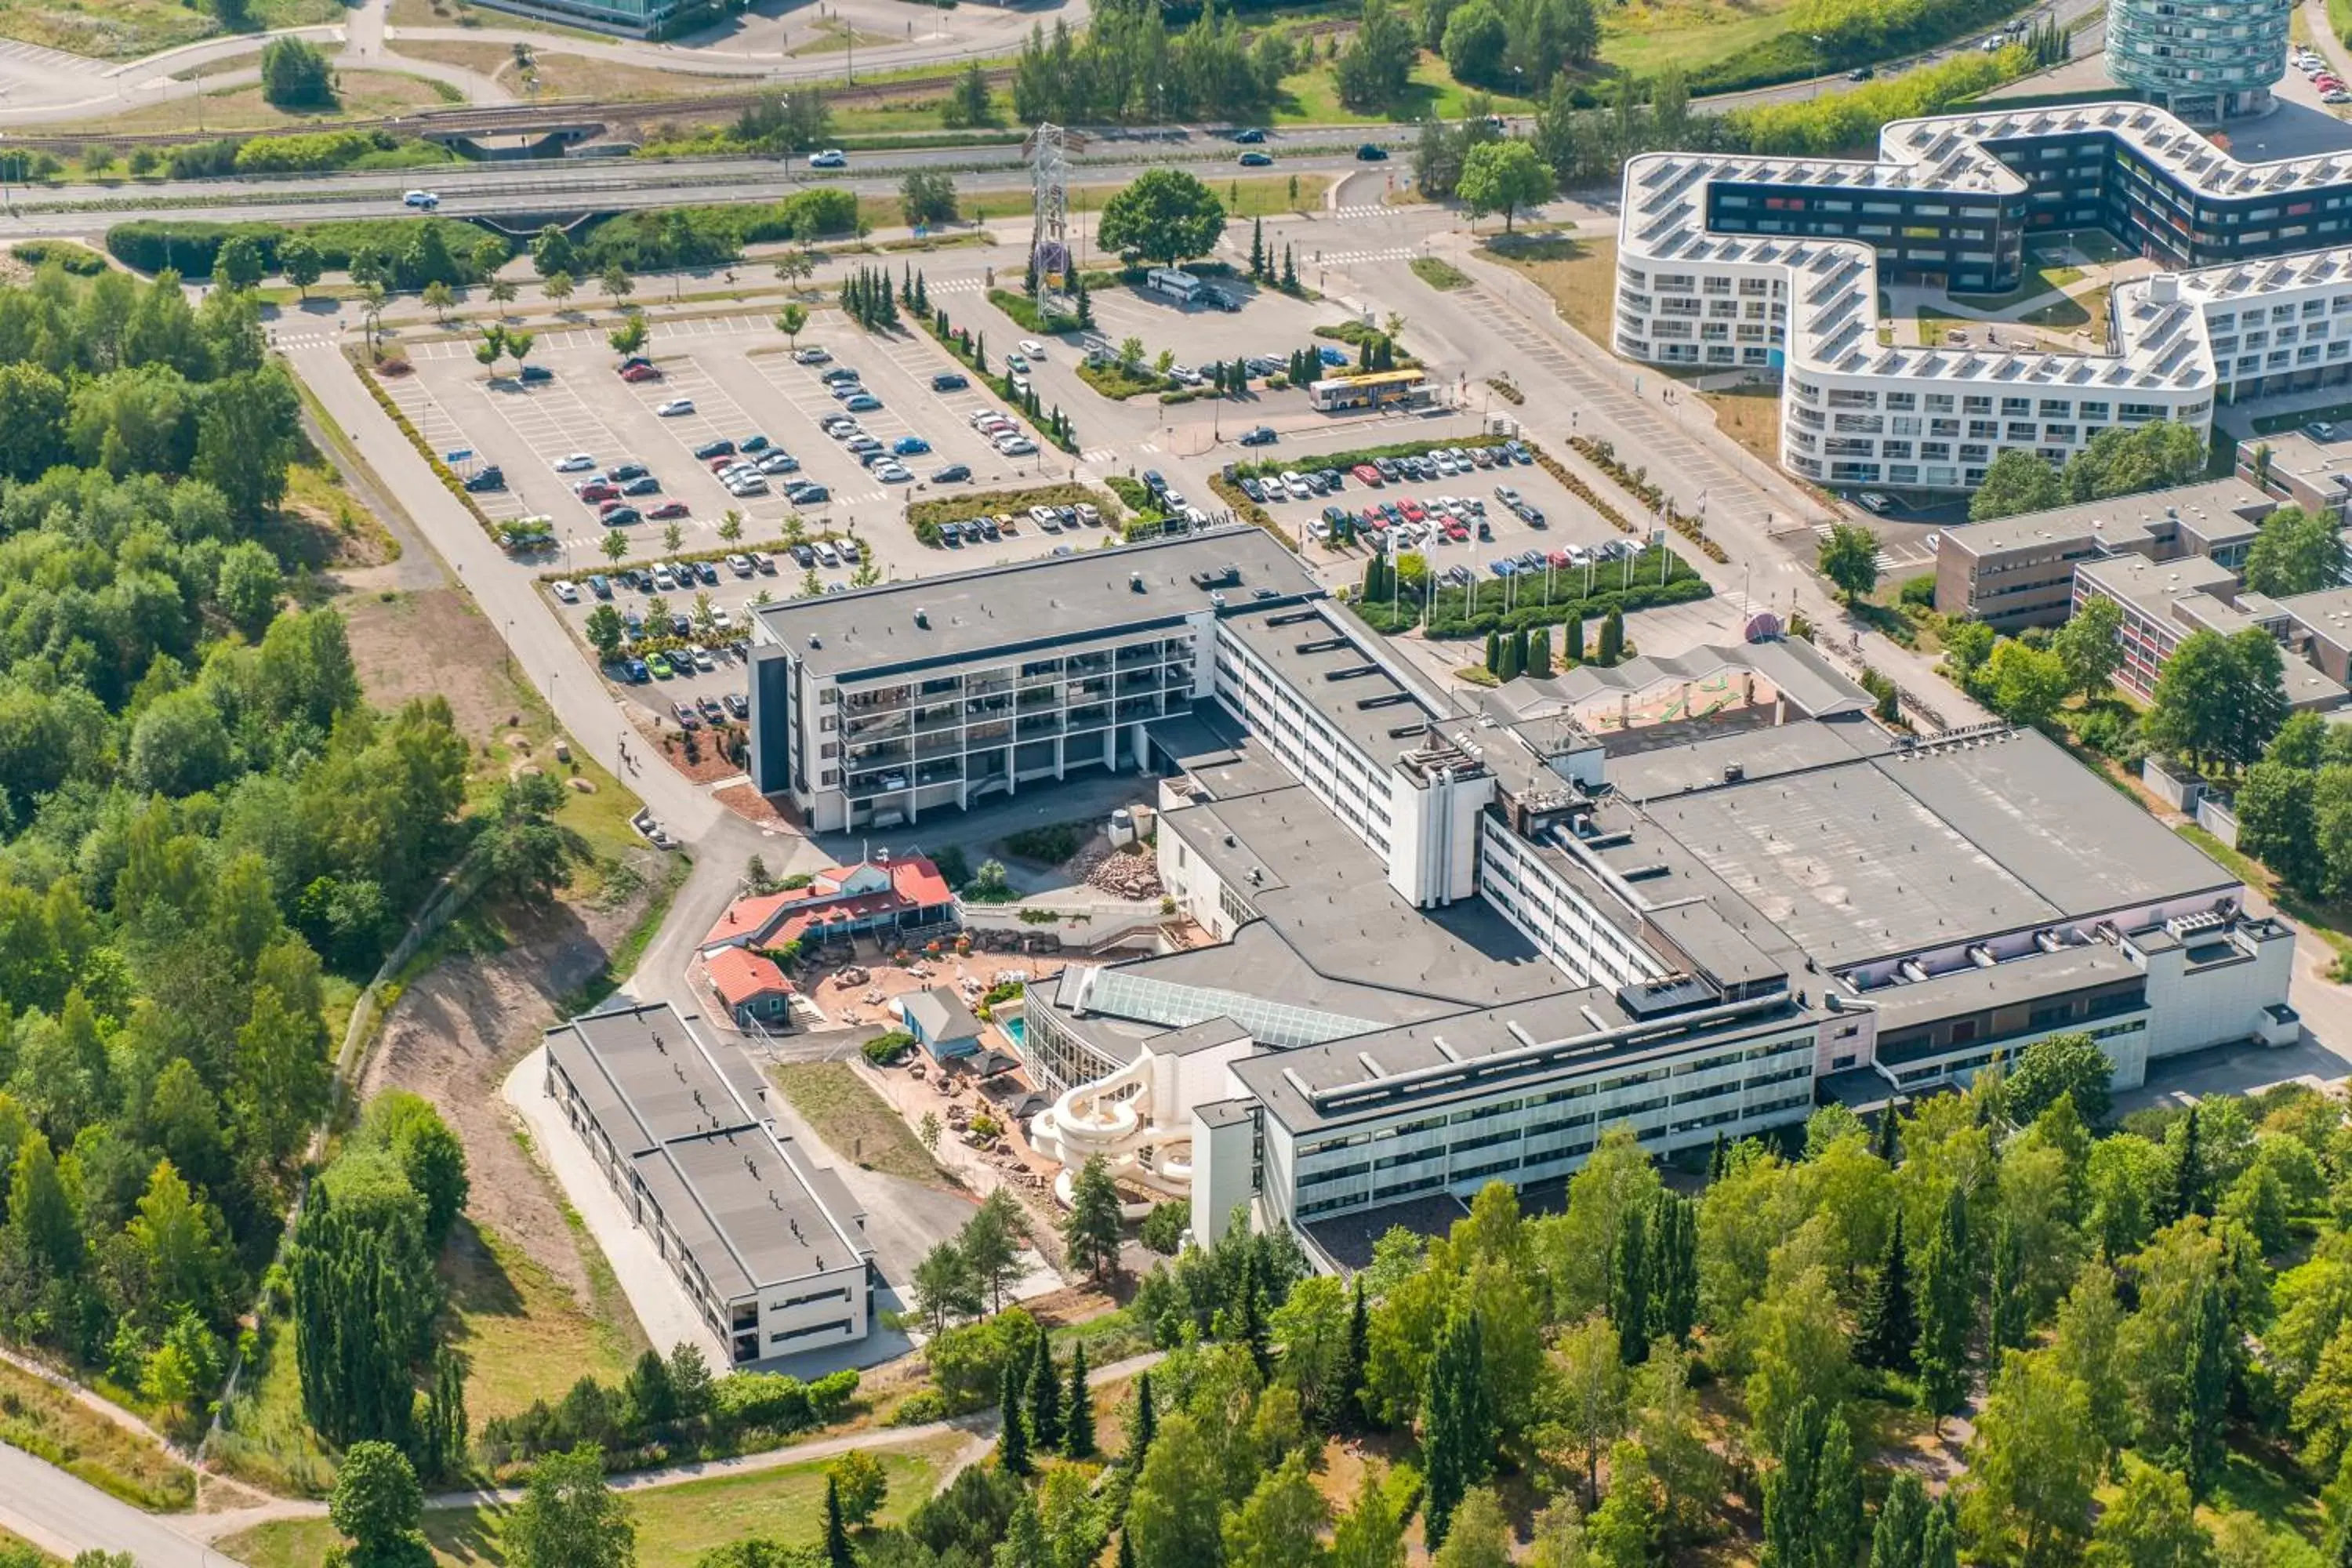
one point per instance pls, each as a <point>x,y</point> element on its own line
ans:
<point>676,406</point>
<point>830,158</point>
<point>566,592</point>
<point>812,355</point>
<point>1876,501</point>
<point>577,463</point>
<point>424,201</point>
<point>1015,446</point>
<point>1032,348</point>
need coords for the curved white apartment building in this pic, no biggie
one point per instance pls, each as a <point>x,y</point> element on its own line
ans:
<point>1737,262</point>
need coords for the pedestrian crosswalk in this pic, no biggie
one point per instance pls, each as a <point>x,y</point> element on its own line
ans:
<point>1376,210</point>
<point>1883,562</point>
<point>1387,253</point>
<point>953,286</point>
<point>301,340</point>
<point>1100,454</point>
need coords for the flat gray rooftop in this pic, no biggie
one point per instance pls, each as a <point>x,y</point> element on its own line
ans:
<point>2214,509</point>
<point>691,1119</point>
<point>1327,896</point>
<point>1286,1081</point>
<point>650,1078</point>
<point>2157,588</point>
<point>1052,599</point>
<point>1910,850</point>
<point>1340,669</point>
<point>2026,979</point>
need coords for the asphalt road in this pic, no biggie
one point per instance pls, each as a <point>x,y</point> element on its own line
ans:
<point>47,1506</point>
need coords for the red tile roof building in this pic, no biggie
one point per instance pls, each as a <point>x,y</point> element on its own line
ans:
<point>841,902</point>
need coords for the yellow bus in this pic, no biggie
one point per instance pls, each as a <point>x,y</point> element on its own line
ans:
<point>1377,389</point>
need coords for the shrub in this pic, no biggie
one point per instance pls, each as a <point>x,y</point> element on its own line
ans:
<point>1051,844</point>
<point>883,1050</point>
<point>77,259</point>
<point>1920,591</point>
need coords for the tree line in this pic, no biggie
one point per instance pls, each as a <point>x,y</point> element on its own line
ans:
<point>2121,460</point>
<point>1128,66</point>
<point>199,815</point>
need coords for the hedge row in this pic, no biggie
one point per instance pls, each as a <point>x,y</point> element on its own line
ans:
<point>955,508</point>
<point>76,258</point>
<point>1450,616</point>
<point>441,470</point>
<point>190,246</point>
<point>1346,460</point>
<point>1604,456</point>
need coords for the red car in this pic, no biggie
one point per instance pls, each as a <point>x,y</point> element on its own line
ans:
<point>668,510</point>
<point>1373,520</point>
<point>1455,531</point>
<point>597,490</point>
<point>1412,510</point>
<point>641,373</point>
<point>606,508</point>
<point>1367,475</point>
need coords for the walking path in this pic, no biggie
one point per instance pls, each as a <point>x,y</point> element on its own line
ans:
<point>980,1428</point>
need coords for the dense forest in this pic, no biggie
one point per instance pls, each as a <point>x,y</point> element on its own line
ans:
<point>201,825</point>
<point>1997,1326</point>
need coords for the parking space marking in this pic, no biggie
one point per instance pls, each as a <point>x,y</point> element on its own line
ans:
<point>443,434</point>
<point>554,422</point>
<point>598,337</point>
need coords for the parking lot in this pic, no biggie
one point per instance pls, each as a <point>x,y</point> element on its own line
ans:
<point>1461,520</point>
<point>742,380</point>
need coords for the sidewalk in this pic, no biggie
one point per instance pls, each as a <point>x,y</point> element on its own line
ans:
<point>654,1293</point>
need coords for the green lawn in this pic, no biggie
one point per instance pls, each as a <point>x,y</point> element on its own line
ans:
<point>855,1122</point>
<point>265,1438</point>
<point>676,1525</point>
<point>1312,98</point>
<point>1642,39</point>
<point>47,1422</point>
<point>123,29</point>
<point>524,1335</point>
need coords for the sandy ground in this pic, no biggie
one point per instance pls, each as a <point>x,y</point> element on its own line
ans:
<point>429,643</point>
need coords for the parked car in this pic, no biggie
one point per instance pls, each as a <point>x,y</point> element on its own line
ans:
<point>950,380</point>
<point>646,485</point>
<point>641,373</point>
<point>532,375</point>
<point>490,479</point>
<point>910,446</point>
<point>739,564</point>
<point>670,509</point>
<point>864,403</point>
<point>675,407</point>
<point>621,516</point>
<point>953,474</point>
<point>578,462</point>
<point>722,448</point>
<point>779,463</point>
<point>813,354</point>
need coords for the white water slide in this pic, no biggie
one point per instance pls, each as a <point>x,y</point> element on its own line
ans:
<point>1104,1117</point>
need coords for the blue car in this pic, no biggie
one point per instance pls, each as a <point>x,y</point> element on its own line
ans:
<point>864,403</point>
<point>1334,356</point>
<point>638,672</point>
<point>1503,568</point>
<point>907,445</point>
<point>752,443</point>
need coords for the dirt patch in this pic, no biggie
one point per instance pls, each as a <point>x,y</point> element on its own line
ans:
<point>457,1030</point>
<point>701,756</point>
<point>431,643</point>
<point>748,804</point>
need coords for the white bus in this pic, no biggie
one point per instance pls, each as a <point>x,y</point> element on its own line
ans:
<point>1178,285</point>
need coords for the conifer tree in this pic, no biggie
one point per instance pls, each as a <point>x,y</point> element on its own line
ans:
<point>2010,1305</point>
<point>1257,251</point>
<point>1538,652</point>
<point>1458,1430</point>
<point>1078,1423</point>
<point>1146,1421</point>
<point>1946,1311</point>
<point>1837,1498</point>
<point>1013,1437</point>
<point>1571,655</point>
<point>1290,270</point>
<point>1673,1249</point>
<point>1613,637</point>
<point>1252,1313</point>
<point>1507,646</point>
<point>1718,1159</point>
<point>1898,1535</point>
<point>1889,1143</point>
<point>2185,1193</point>
<point>1791,1489</point>
<point>1889,1329</point>
<point>1045,1399</point>
<point>1494,653</point>
<point>1629,1288</point>
<point>836,1534</point>
<point>1360,1350</point>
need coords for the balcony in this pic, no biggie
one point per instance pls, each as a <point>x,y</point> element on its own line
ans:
<point>884,699</point>
<point>1034,698</point>
<point>1040,726</point>
<point>1093,716</point>
<point>947,716</point>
